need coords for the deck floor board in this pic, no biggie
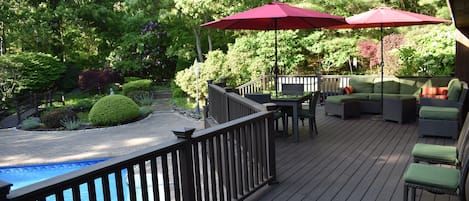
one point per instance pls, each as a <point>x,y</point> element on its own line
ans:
<point>353,159</point>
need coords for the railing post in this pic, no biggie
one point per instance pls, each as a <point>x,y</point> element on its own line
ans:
<point>4,190</point>
<point>271,145</point>
<point>187,170</point>
<point>318,76</point>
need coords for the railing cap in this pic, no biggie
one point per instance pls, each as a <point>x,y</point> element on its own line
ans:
<point>185,133</point>
<point>4,189</point>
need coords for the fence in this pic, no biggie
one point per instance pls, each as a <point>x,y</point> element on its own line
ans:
<point>225,162</point>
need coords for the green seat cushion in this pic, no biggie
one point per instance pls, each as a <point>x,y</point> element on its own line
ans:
<point>443,113</point>
<point>340,99</point>
<point>390,85</point>
<point>360,96</point>
<point>435,152</point>
<point>454,89</point>
<point>362,85</point>
<point>433,176</point>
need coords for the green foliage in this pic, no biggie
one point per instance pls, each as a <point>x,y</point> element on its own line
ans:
<point>83,105</point>
<point>138,85</point>
<point>54,118</point>
<point>70,123</point>
<point>145,110</point>
<point>177,91</point>
<point>10,76</point>
<point>130,79</point>
<point>40,71</point>
<point>428,51</point>
<point>28,72</point>
<point>113,110</point>
<point>30,123</point>
<point>144,99</point>
<point>69,81</point>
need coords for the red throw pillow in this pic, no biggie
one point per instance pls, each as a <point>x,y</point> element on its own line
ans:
<point>348,89</point>
<point>442,90</point>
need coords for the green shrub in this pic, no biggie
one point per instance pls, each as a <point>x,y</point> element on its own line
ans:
<point>83,105</point>
<point>31,123</point>
<point>70,123</point>
<point>138,85</point>
<point>54,118</point>
<point>145,110</point>
<point>39,71</point>
<point>131,79</point>
<point>144,99</point>
<point>113,110</point>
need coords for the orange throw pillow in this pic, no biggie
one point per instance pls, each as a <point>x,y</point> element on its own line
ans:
<point>429,91</point>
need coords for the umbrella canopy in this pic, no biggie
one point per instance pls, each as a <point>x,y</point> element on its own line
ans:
<point>387,17</point>
<point>276,16</point>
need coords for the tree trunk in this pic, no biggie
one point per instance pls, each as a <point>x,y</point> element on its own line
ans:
<point>209,39</point>
<point>197,44</point>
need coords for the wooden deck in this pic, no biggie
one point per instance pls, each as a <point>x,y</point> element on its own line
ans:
<point>353,159</point>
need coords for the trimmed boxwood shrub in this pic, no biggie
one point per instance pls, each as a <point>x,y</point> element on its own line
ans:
<point>54,118</point>
<point>113,110</point>
<point>138,85</point>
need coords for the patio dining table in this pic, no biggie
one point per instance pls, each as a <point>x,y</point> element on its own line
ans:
<point>294,102</point>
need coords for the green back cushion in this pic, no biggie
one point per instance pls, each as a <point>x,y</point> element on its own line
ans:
<point>454,89</point>
<point>391,85</point>
<point>362,85</point>
<point>408,86</point>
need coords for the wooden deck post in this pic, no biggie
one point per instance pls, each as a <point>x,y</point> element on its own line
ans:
<point>271,145</point>
<point>187,170</point>
<point>4,190</point>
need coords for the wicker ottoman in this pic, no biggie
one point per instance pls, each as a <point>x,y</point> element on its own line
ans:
<point>343,106</point>
<point>400,109</point>
<point>439,121</point>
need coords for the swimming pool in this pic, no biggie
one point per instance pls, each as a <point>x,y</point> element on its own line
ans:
<point>21,176</point>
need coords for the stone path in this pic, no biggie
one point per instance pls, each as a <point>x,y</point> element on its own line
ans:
<point>18,147</point>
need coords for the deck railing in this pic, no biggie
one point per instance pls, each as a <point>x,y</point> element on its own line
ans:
<point>229,161</point>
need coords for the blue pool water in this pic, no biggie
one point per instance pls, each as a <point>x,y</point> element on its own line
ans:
<point>21,176</point>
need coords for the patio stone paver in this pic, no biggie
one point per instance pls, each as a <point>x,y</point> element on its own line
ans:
<point>18,147</point>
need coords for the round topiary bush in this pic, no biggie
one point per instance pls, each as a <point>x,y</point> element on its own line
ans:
<point>137,85</point>
<point>54,118</point>
<point>113,110</point>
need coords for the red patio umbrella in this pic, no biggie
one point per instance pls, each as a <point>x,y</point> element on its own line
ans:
<point>276,16</point>
<point>387,17</point>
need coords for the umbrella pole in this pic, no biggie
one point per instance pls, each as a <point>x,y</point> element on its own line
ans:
<point>276,65</point>
<point>382,70</point>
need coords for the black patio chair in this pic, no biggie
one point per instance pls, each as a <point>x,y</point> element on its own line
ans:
<point>440,154</point>
<point>437,179</point>
<point>278,114</point>
<point>310,113</point>
<point>293,89</point>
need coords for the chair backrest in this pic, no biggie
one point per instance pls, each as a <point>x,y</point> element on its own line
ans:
<point>464,179</point>
<point>463,140</point>
<point>313,102</point>
<point>293,89</point>
<point>260,98</point>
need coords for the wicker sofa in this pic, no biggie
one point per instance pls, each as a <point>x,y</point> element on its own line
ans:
<point>367,92</point>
